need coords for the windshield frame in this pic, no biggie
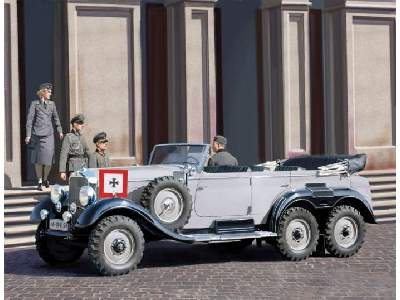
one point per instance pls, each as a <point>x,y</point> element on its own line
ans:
<point>202,161</point>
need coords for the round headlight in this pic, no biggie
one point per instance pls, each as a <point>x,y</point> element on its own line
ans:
<point>44,213</point>
<point>66,216</point>
<point>56,193</point>
<point>72,208</point>
<point>86,195</point>
<point>58,206</point>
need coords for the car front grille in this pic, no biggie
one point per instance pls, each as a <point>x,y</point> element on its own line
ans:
<point>75,184</point>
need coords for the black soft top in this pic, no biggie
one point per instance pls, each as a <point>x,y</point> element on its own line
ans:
<point>312,162</point>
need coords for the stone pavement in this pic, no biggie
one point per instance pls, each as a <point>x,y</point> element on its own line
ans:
<point>171,270</point>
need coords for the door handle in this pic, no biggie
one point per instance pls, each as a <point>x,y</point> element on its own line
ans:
<point>284,185</point>
<point>200,188</point>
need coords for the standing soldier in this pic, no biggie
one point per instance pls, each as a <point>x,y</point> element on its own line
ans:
<point>99,158</point>
<point>40,132</point>
<point>74,150</point>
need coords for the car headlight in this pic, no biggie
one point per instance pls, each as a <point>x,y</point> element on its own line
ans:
<point>56,193</point>
<point>44,213</point>
<point>66,216</point>
<point>86,195</point>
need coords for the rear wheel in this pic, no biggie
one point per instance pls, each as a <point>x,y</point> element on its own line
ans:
<point>116,245</point>
<point>345,231</point>
<point>297,233</point>
<point>55,251</point>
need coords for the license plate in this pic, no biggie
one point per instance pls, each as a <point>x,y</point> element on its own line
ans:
<point>58,225</point>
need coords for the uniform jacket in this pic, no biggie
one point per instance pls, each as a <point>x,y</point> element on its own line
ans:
<point>96,160</point>
<point>39,120</point>
<point>74,153</point>
<point>222,158</point>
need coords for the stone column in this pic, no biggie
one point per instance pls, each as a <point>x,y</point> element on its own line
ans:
<point>286,77</point>
<point>105,81</point>
<point>359,74</point>
<point>12,137</point>
<point>191,70</point>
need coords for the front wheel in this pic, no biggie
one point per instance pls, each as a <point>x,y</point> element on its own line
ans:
<point>55,251</point>
<point>116,245</point>
<point>345,231</point>
<point>297,233</point>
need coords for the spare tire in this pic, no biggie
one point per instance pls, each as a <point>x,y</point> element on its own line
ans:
<point>169,201</point>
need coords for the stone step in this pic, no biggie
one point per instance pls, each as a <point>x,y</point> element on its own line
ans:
<point>385,213</point>
<point>20,230</point>
<point>384,204</point>
<point>382,180</point>
<point>19,241</point>
<point>384,195</point>
<point>18,211</point>
<point>19,202</point>
<point>383,187</point>
<point>385,220</point>
<point>17,220</point>
<point>374,173</point>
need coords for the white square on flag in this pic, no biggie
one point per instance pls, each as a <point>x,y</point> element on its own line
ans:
<point>113,183</point>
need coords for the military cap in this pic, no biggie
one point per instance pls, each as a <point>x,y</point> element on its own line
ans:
<point>101,136</point>
<point>43,86</point>
<point>220,140</point>
<point>79,118</point>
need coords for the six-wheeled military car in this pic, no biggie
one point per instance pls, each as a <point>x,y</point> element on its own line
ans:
<point>295,204</point>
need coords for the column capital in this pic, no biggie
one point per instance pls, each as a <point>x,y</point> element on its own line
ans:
<point>205,3</point>
<point>357,4</point>
<point>265,4</point>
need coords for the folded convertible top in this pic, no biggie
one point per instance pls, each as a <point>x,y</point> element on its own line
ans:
<point>312,162</point>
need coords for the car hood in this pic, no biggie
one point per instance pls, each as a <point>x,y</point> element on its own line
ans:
<point>136,173</point>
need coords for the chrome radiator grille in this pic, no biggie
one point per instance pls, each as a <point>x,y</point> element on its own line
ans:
<point>75,184</point>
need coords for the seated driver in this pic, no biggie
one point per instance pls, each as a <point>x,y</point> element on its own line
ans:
<point>221,157</point>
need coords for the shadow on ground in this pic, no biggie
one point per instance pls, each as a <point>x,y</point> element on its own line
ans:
<point>157,255</point>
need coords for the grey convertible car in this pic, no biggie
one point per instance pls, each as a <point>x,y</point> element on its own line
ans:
<point>295,204</point>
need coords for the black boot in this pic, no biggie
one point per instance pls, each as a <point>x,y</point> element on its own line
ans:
<point>47,184</point>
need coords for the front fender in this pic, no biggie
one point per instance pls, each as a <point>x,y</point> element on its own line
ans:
<point>92,214</point>
<point>45,203</point>
<point>326,200</point>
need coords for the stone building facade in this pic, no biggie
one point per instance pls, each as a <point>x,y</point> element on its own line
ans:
<point>276,77</point>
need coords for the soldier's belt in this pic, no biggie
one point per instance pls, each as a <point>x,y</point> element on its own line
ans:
<point>76,156</point>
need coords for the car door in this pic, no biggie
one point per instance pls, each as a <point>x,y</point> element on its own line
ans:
<point>223,194</point>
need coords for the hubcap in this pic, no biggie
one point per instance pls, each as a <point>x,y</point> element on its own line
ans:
<point>298,234</point>
<point>119,246</point>
<point>168,205</point>
<point>346,232</point>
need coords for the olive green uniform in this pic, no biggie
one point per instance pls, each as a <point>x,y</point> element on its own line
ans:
<point>222,158</point>
<point>74,153</point>
<point>98,160</point>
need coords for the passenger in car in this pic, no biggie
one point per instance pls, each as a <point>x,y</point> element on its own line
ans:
<point>221,157</point>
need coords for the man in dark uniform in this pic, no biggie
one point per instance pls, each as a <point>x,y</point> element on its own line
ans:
<point>40,132</point>
<point>74,150</point>
<point>221,157</point>
<point>99,158</point>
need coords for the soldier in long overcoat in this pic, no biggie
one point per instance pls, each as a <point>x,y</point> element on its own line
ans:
<point>74,150</point>
<point>100,158</point>
<point>40,132</point>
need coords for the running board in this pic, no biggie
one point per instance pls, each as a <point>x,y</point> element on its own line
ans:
<point>212,237</point>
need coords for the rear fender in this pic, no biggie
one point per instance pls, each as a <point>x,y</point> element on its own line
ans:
<point>318,201</point>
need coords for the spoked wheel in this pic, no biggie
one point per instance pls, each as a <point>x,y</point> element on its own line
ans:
<point>55,251</point>
<point>116,245</point>
<point>345,231</point>
<point>298,233</point>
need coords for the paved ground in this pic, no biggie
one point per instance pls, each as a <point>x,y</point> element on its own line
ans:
<point>177,271</point>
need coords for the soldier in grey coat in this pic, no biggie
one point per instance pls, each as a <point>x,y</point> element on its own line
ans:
<point>40,132</point>
<point>221,156</point>
<point>74,150</point>
<point>100,158</point>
